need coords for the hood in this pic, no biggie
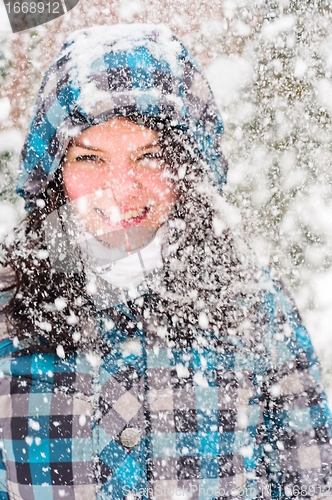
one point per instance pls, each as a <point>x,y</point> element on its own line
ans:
<point>121,70</point>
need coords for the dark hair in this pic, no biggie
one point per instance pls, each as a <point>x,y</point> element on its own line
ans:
<point>205,275</point>
<point>31,313</point>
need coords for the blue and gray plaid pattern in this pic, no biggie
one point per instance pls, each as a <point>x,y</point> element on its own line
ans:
<point>109,71</point>
<point>220,418</point>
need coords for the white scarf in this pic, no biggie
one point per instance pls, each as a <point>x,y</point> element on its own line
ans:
<point>130,270</point>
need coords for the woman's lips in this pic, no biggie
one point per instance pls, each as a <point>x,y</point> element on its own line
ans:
<point>131,217</point>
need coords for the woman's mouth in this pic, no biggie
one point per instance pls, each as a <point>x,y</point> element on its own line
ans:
<point>118,220</point>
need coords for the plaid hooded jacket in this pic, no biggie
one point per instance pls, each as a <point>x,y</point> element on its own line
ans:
<point>219,418</point>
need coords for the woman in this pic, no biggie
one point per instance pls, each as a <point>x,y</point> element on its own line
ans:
<point>143,354</point>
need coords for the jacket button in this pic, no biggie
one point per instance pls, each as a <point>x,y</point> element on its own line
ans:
<point>130,437</point>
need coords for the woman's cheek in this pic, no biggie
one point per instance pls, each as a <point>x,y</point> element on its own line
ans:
<point>158,186</point>
<point>80,183</point>
<point>165,193</point>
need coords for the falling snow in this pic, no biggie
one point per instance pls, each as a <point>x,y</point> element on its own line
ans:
<point>269,65</point>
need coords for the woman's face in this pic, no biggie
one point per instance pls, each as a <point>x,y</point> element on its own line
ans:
<point>115,176</point>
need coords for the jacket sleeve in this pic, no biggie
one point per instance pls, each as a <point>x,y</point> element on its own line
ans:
<point>296,417</point>
<point>3,483</point>
<point>4,298</point>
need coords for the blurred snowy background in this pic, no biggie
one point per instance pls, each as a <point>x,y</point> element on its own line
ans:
<point>270,65</point>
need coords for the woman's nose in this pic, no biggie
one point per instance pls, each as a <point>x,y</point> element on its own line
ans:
<point>120,175</point>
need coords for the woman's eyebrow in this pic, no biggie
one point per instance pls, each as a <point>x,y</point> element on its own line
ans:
<point>90,148</point>
<point>150,145</point>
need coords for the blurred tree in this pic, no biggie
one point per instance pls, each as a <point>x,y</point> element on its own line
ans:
<point>5,152</point>
<point>272,75</point>
<point>278,126</point>
<point>4,62</point>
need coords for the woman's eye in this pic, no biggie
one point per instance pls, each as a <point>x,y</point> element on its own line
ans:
<point>151,158</point>
<point>87,158</point>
